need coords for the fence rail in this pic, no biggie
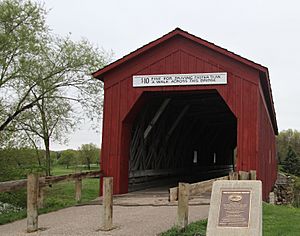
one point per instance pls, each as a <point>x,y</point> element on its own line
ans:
<point>196,188</point>
<point>43,181</point>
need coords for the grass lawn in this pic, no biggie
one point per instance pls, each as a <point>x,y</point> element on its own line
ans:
<point>60,195</point>
<point>277,221</point>
<point>61,170</point>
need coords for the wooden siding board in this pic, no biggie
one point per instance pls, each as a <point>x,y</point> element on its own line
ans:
<point>139,63</point>
<point>268,171</point>
<point>212,58</point>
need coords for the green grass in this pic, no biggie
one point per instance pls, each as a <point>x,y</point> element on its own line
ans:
<point>196,228</point>
<point>60,195</point>
<point>277,221</point>
<point>61,170</point>
<point>281,221</point>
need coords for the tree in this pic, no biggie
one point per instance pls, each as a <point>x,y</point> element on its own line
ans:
<point>44,78</point>
<point>89,153</point>
<point>31,57</point>
<point>291,163</point>
<point>22,36</point>
<point>68,157</point>
<point>285,139</point>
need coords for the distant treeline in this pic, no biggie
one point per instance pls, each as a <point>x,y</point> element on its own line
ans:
<point>16,162</point>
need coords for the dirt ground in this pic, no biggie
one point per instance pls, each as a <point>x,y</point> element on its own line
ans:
<point>140,213</point>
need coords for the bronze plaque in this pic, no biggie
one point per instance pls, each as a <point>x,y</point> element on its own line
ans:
<point>234,208</point>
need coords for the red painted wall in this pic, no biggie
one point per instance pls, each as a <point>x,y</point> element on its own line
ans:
<point>243,94</point>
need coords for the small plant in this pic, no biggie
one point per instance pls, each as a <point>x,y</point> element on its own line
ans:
<point>7,208</point>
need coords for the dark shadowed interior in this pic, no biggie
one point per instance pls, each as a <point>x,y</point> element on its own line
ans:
<point>181,137</point>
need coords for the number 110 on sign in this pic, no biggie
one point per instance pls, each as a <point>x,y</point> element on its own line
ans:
<point>145,80</point>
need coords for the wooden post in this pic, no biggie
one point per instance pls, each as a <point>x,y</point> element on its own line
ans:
<point>243,175</point>
<point>183,205</point>
<point>41,194</point>
<point>32,195</point>
<point>78,188</point>
<point>233,176</point>
<point>173,194</point>
<point>107,211</point>
<point>272,198</point>
<point>253,174</point>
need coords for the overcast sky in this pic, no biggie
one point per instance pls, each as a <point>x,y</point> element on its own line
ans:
<point>267,32</point>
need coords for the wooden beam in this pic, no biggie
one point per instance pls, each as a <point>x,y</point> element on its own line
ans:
<point>153,172</point>
<point>156,116</point>
<point>71,177</point>
<point>204,186</point>
<point>196,188</point>
<point>13,185</point>
<point>179,117</point>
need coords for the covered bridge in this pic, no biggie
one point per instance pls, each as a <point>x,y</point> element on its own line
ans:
<point>183,109</point>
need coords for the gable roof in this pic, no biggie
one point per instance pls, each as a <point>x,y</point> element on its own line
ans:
<point>99,74</point>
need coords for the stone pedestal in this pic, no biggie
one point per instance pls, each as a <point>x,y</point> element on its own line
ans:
<point>235,208</point>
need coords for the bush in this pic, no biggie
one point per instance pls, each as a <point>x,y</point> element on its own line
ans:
<point>17,198</point>
<point>291,163</point>
<point>296,202</point>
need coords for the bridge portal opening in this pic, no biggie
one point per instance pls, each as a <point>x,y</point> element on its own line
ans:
<point>181,137</point>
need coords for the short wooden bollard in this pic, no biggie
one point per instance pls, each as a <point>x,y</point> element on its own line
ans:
<point>32,195</point>
<point>183,205</point>
<point>233,176</point>
<point>173,194</point>
<point>78,188</point>
<point>253,174</point>
<point>243,175</point>
<point>107,211</point>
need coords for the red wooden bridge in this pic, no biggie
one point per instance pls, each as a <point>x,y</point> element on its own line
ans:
<point>183,109</point>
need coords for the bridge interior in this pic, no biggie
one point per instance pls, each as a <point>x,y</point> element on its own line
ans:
<point>181,137</point>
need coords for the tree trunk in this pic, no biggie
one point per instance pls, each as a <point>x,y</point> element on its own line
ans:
<point>46,136</point>
<point>39,160</point>
<point>88,163</point>
<point>47,156</point>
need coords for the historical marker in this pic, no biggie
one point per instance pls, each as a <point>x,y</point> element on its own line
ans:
<point>235,208</point>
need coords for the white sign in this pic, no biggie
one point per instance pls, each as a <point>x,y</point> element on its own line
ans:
<point>179,79</point>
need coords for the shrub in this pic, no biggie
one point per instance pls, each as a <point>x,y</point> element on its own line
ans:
<point>291,163</point>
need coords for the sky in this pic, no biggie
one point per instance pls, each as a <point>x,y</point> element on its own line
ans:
<point>267,32</point>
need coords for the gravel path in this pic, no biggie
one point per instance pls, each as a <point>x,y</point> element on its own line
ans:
<point>85,221</point>
<point>142,213</point>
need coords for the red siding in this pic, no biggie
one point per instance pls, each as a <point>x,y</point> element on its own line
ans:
<point>242,94</point>
<point>267,161</point>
